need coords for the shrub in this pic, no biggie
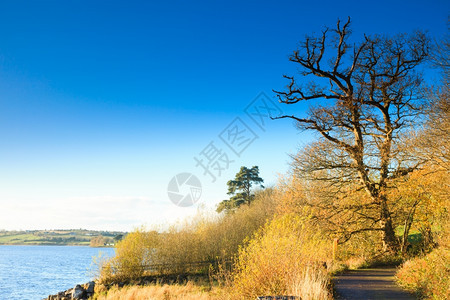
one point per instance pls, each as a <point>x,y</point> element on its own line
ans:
<point>428,276</point>
<point>133,254</point>
<point>284,257</point>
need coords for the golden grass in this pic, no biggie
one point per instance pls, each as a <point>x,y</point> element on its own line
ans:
<point>188,291</point>
<point>312,284</point>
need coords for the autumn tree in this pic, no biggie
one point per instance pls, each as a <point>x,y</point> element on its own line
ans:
<point>366,95</point>
<point>240,188</point>
<point>426,191</point>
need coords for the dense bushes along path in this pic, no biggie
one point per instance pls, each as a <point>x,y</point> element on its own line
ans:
<point>369,284</point>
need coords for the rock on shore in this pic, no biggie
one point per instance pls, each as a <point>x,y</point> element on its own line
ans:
<point>78,292</point>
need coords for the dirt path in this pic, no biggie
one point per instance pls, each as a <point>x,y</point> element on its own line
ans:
<point>369,284</point>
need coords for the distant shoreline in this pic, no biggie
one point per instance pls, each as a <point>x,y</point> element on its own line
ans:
<point>58,245</point>
<point>75,237</point>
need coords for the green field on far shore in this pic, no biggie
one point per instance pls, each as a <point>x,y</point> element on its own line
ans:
<point>76,237</point>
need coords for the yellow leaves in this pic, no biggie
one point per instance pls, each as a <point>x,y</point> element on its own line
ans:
<point>429,275</point>
<point>290,194</point>
<point>133,254</point>
<point>278,255</point>
<point>427,189</point>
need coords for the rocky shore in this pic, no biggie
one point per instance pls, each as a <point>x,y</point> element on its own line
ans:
<point>83,291</point>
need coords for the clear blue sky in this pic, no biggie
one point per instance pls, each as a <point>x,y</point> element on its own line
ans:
<point>103,102</point>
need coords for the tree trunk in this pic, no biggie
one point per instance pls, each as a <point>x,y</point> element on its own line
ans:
<point>408,222</point>
<point>427,236</point>
<point>390,242</point>
<point>407,227</point>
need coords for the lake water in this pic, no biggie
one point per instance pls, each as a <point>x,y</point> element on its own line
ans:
<point>34,272</point>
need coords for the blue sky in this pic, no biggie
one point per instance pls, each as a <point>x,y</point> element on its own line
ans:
<point>103,102</point>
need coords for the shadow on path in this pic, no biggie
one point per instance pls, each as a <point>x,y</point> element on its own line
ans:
<point>369,284</point>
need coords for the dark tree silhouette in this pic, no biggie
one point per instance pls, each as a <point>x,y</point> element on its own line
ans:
<point>241,189</point>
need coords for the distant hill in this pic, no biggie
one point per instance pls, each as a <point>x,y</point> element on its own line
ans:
<point>75,237</point>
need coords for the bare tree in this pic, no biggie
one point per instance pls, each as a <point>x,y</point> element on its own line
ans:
<point>441,54</point>
<point>431,143</point>
<point>370,93</point>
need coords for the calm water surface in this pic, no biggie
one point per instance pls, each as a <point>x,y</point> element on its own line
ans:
<point>34,272</point>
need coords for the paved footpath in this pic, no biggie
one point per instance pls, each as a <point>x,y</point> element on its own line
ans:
<point>368,284</point>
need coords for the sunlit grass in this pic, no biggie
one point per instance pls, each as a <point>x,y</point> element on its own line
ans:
<point>187,291</point>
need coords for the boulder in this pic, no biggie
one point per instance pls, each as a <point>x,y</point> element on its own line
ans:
<point>78,292</point>
<point>90,287</point>
<point>84,291</point>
